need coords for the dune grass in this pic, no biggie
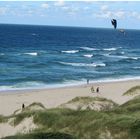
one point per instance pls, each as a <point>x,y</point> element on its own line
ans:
<point>89,103</point>
<point>27,112</point>
<point>121,122</point>
<point>41,136</point>
<point>35,104</point>
<point>89,99</point>
<point>3,119</point>
<point>133,91</point>
<point>85,124</point>
<point>20,117</point>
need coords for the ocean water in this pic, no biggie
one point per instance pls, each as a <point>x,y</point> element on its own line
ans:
<point>51,56</point>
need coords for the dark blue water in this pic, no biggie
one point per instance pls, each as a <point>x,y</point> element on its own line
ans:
<point>45,56</point>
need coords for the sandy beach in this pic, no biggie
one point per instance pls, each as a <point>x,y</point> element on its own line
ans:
<point>50,98</point>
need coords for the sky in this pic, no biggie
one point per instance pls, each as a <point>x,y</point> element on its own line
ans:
<point>72,13</point>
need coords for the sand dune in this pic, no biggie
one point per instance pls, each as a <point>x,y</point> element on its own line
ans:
<point>8,128</point>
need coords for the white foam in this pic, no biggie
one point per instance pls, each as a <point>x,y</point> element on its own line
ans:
<point>117,79</point>
<point>129,57</point>
<point>110,49</point>
<point>122,57</point>
<point>135,58</point>
<point>100,65</point>
<point>34,34</point>
<point>23,86</point>
<point>108,54</point>
<point>84,64</point>
<point>70,51</point>
<point>122,52</point>
<point>89,49</point>
<point>4,88</point>
<point>29,84</point>
<point>136,67</point>
<point>88,55</point>
<point>32,53</point>
<point>125,57</point>
<point>2,54</point>
<point>67,83</point>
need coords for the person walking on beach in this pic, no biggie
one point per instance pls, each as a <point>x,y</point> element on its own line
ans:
<point>92,89</point>
<point>87,81</point>
<point>23,106</point>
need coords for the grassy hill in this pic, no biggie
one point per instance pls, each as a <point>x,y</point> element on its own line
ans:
<point>133,91</point>
<point>117,122</point>
<point>89,103</point>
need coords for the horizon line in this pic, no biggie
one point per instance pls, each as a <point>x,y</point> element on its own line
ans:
<point>75,26</point>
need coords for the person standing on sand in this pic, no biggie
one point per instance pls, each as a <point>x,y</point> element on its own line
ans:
<point>23,106</point>
<point>92,89</point>
<point>97,90</point>
<point>87,81</point>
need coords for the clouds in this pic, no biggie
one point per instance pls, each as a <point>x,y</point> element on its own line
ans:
<point>79,12</point>
<point>45,5</point>
<point>59,3</point>
<point>3,10</point>
<point>135,14</point>
<point>120,14</point>
<point>104,7</point>
<point>93,9</point>
<point>118,10</point>
<point>106,12</point>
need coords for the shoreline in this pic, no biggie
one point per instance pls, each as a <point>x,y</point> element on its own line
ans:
<point>51,98</point>
<point>80,83</point>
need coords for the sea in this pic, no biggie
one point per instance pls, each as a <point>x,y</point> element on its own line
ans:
<point>34,57</point>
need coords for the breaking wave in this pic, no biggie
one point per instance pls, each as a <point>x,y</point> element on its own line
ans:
<point>32,53</point>
<point>110,49</point>
<point>23,85</point>
<point>89,49</point>
<point>70,51</point>
<point>122,57</point>
<point>88,55</point>
<point>84,64</point>
<point>136,67</point>
<point>2,54</point>
<point>133,58</point>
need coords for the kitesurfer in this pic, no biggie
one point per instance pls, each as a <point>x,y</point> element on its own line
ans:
<point>114,23</point>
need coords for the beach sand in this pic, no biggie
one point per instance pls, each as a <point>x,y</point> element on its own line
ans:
<point>50,98</point>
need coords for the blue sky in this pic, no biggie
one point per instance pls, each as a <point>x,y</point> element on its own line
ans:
<point>71,13</point>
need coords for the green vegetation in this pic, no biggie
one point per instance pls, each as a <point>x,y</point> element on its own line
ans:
<point>3,119</point>
<point>38,105</point>
<point>89,99</point>
<point>20,117</point>
<point>133,91</point>
<point>119,122</point>
<point>132,105</point>
<point>89,103</point>
<point>84,124</point>
<point>42,136</point>
<point>27,112</point>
